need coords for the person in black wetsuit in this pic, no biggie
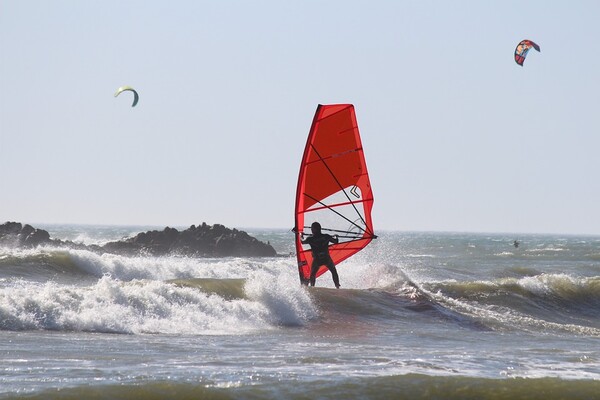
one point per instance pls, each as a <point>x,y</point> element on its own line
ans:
<point>319,246</point>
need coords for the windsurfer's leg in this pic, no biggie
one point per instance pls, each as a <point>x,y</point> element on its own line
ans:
<point>334,274</point>
<point>313,272</point>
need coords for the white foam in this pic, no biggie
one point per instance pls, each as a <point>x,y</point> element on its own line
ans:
<point>149,306</point>
<point>548,283</point>
<point>286,302</point>
<point>165,268</point>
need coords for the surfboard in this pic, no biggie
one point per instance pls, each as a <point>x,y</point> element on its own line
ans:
<point>333,187</point>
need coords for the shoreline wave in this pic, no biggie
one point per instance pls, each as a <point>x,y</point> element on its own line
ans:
<point>528,300</point>
<point>410,386</point>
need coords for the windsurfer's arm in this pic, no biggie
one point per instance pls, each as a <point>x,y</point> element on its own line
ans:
<point>301,236</point>
<point>335,239</point>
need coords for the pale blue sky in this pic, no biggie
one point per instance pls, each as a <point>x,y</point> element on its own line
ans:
<point>457,136</point>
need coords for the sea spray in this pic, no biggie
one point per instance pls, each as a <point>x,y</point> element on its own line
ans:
<point>288,303</point>
<point>137,307</point>
<point>165,268</point>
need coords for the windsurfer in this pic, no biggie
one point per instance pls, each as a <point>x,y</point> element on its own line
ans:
<point>319,246</point>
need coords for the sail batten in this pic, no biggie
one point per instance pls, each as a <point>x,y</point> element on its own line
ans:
<point>333,186</point>
<point>336,205</point>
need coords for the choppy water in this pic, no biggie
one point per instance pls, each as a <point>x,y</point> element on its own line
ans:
<point>420,315</point>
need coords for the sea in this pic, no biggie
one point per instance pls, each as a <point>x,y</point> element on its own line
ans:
<point>420,315</point>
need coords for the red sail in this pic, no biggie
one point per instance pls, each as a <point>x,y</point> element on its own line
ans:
<point>334,187</point>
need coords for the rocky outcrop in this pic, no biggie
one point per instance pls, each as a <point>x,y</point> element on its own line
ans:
<point>17,235</point>
<point>196,241</point>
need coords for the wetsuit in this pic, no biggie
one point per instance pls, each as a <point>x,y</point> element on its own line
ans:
<point>319,246</point>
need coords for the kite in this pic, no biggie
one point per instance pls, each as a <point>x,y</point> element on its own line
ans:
<point>128,88</point>
<point>522,49</point>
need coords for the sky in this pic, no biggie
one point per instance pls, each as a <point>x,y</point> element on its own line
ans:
<point>457,136</point>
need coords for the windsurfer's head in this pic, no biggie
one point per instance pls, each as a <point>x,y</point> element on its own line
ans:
<point>316,228</point>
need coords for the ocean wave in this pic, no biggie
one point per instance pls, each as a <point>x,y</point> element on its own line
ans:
<point>129,299</point>
<point>265,293</point>
<point>143,306</point>
<point>556,289</point>
<point>50,263</point>
<point>39,264</point>
<point>409,386</point>
<point>556,302</point>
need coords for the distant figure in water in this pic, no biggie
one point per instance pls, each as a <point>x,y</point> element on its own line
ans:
<point>319,246</point>
<point>516,243</point>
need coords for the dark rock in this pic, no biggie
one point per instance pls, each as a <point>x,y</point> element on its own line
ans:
<point>14,234</point>
<point>36,237</point>
<point>196,241</point>
<point>10,228</point>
